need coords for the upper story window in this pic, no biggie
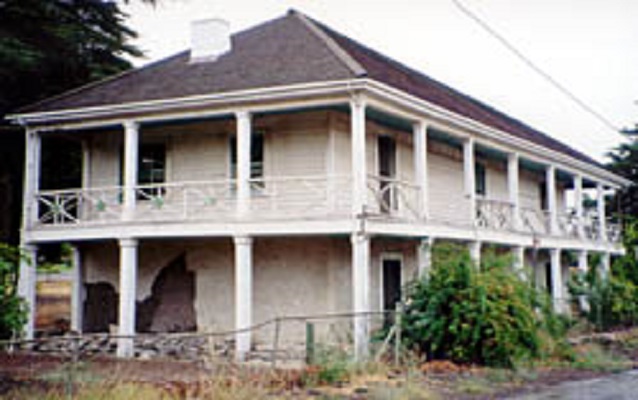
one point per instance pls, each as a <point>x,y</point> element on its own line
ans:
<point>256,156</point>
<point>151,164</point>
<point>480,179</point>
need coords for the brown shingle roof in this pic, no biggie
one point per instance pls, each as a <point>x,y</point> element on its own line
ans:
<point>288,50</point>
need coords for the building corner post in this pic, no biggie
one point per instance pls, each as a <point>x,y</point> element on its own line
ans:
<point>27,281</point>
<point>131,150</point>
<point>469,174</point>
<point>421,166</point>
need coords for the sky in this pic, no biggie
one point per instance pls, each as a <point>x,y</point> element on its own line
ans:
<point>588,46</point>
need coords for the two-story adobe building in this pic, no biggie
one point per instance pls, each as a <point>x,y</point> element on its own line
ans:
<point>288,169</point>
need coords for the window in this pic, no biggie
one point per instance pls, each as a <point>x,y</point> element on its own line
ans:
<point>256,157</point>
<point>151,167</point>
<point>151,170</point>
<point>481,184</point>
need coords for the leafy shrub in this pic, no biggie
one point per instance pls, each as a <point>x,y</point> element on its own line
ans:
<point>487,315</point>
<point>613,300</point>
<point>13,309</point>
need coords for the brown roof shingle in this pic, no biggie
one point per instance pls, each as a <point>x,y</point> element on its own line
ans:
<point>285,51</point>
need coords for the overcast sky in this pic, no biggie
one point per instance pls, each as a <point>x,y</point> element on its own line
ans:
<point>589,46</point>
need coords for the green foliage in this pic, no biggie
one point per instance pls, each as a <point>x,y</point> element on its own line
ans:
<point>624,162</point>
<point>613,300</point>
<point>13,310</point>
<point>487,315</point>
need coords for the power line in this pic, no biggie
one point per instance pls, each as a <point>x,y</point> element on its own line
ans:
<point>582,104</point>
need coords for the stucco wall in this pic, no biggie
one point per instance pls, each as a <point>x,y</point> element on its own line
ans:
<point>292,276</point>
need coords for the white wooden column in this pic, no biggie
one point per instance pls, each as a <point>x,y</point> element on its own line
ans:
<point>32,167</point>
<point>550,181</point>
<point>243,294</point>
<point>518,252</point>
<point>475,251</point>
<point>360,293</point>
<point>86,176</point>
<point>513,188</point>
<point>131,150</point>
<point>27,286</point>
<point>421,165</point>
<point>602,218</point>
<point>578,204</point>
<point>77,290</point>
<point>557,279</point>
<point>583,267</point>
<point>358,154</point>
<point>244,133</point>
<point>128,291</point>
<point>470,176</point>
<point>424,256</point>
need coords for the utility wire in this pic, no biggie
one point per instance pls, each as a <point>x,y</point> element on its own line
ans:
<point>535,67</point>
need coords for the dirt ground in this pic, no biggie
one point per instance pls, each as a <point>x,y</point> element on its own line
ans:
<point>437,380</point>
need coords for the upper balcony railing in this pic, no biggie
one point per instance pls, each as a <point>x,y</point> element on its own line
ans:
<point>298,197</point>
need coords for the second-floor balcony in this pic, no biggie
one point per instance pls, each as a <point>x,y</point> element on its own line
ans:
<point>294,197</point>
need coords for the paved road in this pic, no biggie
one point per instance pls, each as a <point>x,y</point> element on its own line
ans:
<point>623,386</point>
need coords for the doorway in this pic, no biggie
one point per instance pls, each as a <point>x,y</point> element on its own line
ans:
<point>391,279</point>
<point>387,169</point>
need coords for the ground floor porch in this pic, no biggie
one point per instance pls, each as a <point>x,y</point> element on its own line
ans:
<point>136,285</point>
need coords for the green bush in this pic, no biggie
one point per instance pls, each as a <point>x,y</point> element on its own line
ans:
<point>487,315</point>
<point>13,309</point>
<point>613,300</point>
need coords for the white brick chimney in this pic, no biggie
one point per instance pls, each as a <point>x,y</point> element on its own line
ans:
<point>210,39</point>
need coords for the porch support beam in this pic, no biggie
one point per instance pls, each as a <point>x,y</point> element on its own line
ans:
<point>77,289</point>
<point>578,206</point>
<point>128,291</point>
<point>32,167</point>
<point>27,286</point>
<point>358,153</point>
<point>421,166</point>
<point>557,279</point>
<point>470,176</point>
<point>550,181</point>
<point>243,295</point>
<point>244,133</point>
<point>131,151</point>
<point>513,188</point>
<point>583,267</point>
<point>602,218</point>
<point>424,256</point>
<point>361,293</point>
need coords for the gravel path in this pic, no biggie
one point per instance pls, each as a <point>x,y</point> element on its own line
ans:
<point>623,386</point>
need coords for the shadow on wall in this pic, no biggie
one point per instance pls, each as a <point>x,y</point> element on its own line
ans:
<point>169,308</point>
